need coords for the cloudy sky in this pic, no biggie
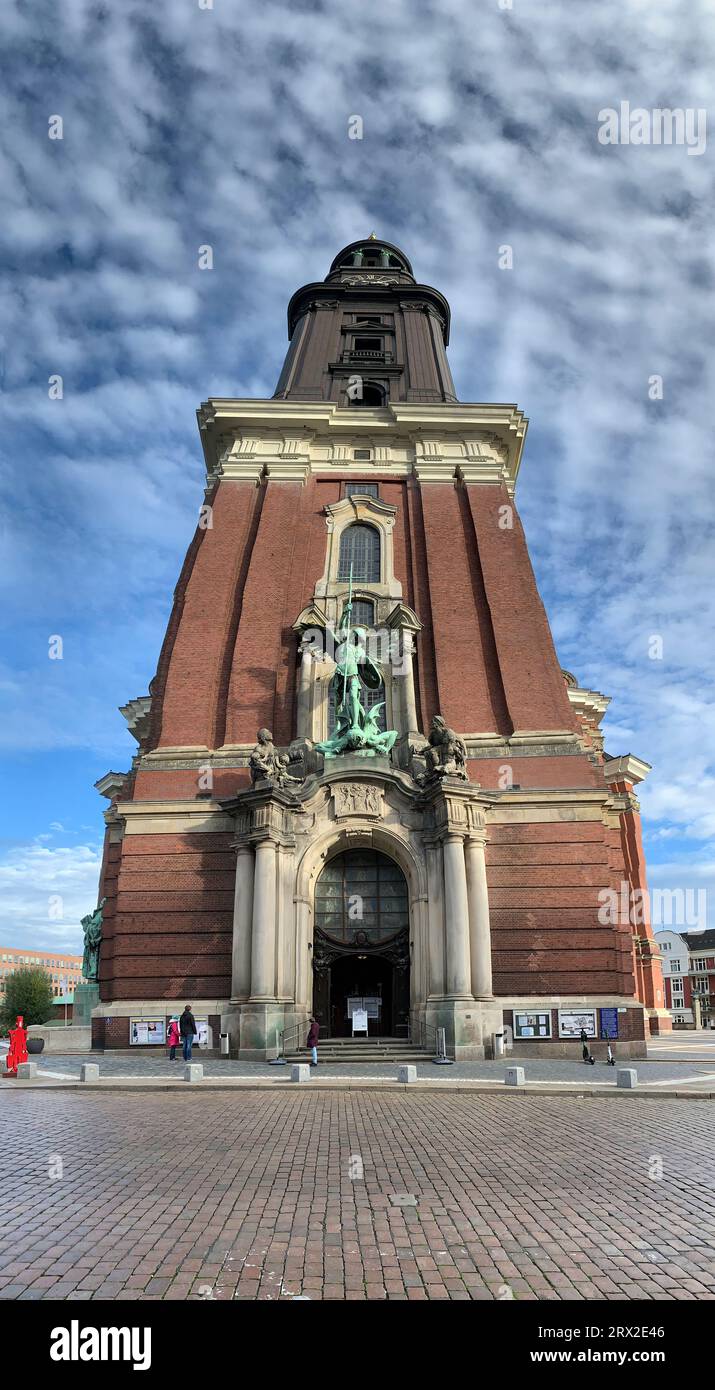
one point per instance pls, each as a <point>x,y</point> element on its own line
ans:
<point>184,126</point>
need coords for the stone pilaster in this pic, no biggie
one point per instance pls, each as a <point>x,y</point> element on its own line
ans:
<point>480,939</point>
<point>263,929</point>
<point>459,984</point>
<point>242,924</point>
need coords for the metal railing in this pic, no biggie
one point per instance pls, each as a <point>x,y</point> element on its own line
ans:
<point>366,355</point>
<point>430,1039</point>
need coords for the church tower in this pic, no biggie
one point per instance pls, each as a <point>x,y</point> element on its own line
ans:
<point>364,785</point>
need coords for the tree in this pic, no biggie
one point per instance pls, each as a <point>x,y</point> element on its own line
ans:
<point>28,992</point>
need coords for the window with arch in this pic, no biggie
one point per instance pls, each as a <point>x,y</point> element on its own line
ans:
<point>373,881</point>
<point>363,612</point>
<point>360,548</point>
<point>372,396</point>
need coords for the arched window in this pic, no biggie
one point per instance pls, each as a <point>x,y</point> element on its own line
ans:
<point>363,614</point>
<point>373,880</point>
<point>360,547</point>
<point>372,395</point>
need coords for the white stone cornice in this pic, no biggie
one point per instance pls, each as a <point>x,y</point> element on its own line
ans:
<point>627,768</point>
<point>137,712</point>
<point>287,470</point>
<point>484,440</point>
<point>588,702</point>
<point>111,783</point>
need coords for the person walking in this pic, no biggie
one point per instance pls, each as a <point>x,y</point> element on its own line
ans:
<point>313,1035</point>
<point>188,1030</point>
<point>173,1037</point>
<point>585,1052</point>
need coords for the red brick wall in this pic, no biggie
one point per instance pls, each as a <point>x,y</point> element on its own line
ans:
<point>530,670</point>
<point>173,927</point>
<point>544,881</point>
<point>189,685</point>
<point>469,691</point>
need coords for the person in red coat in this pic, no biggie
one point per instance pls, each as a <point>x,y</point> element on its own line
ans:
<point>173,1037</point>
<point>18,1046</point>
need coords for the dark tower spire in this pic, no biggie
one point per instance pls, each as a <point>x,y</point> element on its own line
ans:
<point>369,319</point>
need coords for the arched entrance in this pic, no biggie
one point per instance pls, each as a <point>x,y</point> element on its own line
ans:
<point>361,955</point>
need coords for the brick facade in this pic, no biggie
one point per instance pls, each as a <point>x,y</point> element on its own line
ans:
<point>485,660</point>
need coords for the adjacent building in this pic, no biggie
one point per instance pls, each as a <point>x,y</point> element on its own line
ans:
<point>439,842</point>
<point>688,960</point>
<point>63,970</point>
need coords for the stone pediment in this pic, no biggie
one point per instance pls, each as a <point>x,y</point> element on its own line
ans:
<point>403,617</point>
<point>309,617</point>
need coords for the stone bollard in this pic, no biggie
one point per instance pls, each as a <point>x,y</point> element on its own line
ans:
<point>89,1071</point>
<point>300,1071</point>
<point>193,1071</point>
<point>627,1077</point>
<point>26,1071</point>
<point>407,1074</point>
<point>514,1076</point>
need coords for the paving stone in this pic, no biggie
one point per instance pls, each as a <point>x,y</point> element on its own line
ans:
<point>265,1208</point>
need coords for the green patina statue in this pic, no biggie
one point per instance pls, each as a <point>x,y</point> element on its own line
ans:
<point>356,729</point>
<point>92,924</point>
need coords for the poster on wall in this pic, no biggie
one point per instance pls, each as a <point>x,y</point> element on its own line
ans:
<point>202,1038</point>
<point>532,1025</point>
<point>571,1021</point>
<point>609,1022</point>
<point>145,1031</point>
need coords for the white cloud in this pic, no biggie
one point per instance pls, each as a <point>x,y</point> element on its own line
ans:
<point>44,891</point>
<point>230,128</point>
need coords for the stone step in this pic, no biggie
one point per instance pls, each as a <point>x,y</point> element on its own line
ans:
<point>363,1055</point>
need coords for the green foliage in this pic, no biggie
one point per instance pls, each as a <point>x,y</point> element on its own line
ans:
<point>28,992</point>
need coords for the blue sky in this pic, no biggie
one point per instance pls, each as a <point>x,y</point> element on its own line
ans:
<point>229,126</point>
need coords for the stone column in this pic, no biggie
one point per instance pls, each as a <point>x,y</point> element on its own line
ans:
<point>303,971</point>
<point>409,703</point>
<point>242,923</point>
<point>305,682</point>
<point>263,943</point>
<point>435,920</point>
<point>480,938</point>
<point>456,917</point>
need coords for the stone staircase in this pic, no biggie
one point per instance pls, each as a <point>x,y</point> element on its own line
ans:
<point>363,1050</point>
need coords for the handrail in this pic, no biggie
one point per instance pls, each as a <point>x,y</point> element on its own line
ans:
<point>432,1039</point>
<point>286,1034</point>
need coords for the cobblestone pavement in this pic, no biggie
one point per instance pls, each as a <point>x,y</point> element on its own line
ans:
<point>283,1196</point>
<point>556,1070</point>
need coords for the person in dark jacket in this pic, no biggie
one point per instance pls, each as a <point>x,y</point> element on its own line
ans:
<point>585,1052</point>
<point>313,1034</point>
<point>188,1030</point>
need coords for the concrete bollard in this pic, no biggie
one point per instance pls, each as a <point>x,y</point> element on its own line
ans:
<point>193,1071</point>
<point>26,1071</point>
<point>407,1074</point>
<point>627,1077</point>
<point>514,1076</point>
<point>300,1071</point>
<point>89,1071</point>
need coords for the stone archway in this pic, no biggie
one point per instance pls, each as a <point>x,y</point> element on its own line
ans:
<point>334,840</point>
<point>361,943</point>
